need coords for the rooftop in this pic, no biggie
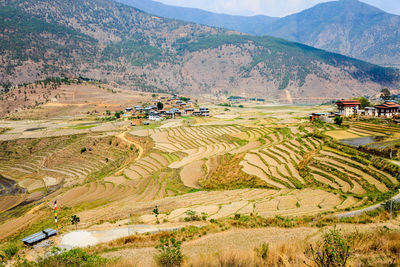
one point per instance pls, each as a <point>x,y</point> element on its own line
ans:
<point>388,105</point>
<point>348,102</point>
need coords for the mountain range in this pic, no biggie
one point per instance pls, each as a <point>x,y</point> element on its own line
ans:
<point>348,27</point>
<point>109,41</point>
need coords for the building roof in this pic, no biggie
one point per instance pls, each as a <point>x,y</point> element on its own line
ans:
<point>32,239</point>
<point>348,102</point>
<point>388,105</point>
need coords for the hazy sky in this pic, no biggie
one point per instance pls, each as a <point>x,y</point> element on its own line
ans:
<point>276,8</point>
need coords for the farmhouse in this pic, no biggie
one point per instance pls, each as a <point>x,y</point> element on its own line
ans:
<point>370,111</point>
<point>326,117</point>
<point>189,110</point>
<point>348,108</point>
<point>387,109</point>
<point>205,112</point>
<point>154,116</point>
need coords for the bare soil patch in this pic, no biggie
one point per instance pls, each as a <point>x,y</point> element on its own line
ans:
<point>192,173</point>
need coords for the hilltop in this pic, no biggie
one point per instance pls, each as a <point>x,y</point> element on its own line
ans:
<point>148,53</point>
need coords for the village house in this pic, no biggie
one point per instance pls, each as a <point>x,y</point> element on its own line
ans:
<point>348,108</point>
<point>205,112</point>
<point>387,109</point>
<point>370,111</point>
<point>189,110</point>
<point>325,117</point>
<point>154,116</point>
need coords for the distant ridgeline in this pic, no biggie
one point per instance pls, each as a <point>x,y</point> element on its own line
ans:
<point>324,26</point>
<point>148,53</point>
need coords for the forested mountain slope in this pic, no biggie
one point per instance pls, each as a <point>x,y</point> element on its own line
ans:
<point>105,40</point>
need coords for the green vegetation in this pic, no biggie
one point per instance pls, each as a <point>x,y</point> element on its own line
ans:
<point>156,213</point>
<point>73,258</point>
<point>338,120</point>
<point>169,253</point>
<point>75,220</point>
<point>364,102</point>
<point>332,251</point>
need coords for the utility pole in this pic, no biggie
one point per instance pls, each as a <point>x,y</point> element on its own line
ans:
<point>391,205</point>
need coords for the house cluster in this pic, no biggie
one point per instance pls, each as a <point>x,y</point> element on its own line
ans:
<point>348,108</point>
<point>173,107</point>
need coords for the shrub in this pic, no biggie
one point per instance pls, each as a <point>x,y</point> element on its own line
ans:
<point>71,258</point>
<point>83,149</point>
<point>332,251</point>
<point>10,250</point>
<point>262,251</point>
<point>191,216</point>
<point>169,253</point>
<point>338,120</point>
<point>391,206</point>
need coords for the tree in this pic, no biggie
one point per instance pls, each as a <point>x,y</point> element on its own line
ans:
<point>385,94</point>
<point>364,102</point>
<point>108,112</point>
<point>338,120</point>
<point>156,213</point>
<point>7,86</point>
<point>160,105</point>
<point>75,220</point>
<point>118,114</point>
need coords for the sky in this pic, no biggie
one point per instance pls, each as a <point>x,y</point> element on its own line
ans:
<point>275,8</point>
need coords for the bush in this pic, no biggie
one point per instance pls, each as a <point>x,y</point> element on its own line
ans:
<point>71,258</point>
<point>83,149</point>
<point>391,206</point>
<point>333,251</point>
<point>191,216</point>
<point>262,251</point>
<point>170,254</point>
<point>338,120</point>
<point>10,251</point>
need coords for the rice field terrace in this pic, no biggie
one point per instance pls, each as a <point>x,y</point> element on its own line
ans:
<point>44,165</point>
<point>211,167</point>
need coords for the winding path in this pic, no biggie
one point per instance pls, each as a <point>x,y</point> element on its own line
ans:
<point>123,137</point>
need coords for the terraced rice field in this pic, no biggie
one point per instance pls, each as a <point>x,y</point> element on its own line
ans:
<point>281,170</point>
<point>269,203</point>
<point>144,180</point>
<point>40,164</point>
<point>279,162</point>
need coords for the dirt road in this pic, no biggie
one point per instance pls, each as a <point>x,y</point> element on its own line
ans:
<point>354,213</point>
<point>83,238</point>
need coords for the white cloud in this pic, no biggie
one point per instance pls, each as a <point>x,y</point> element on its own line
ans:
<point>277,8</point>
